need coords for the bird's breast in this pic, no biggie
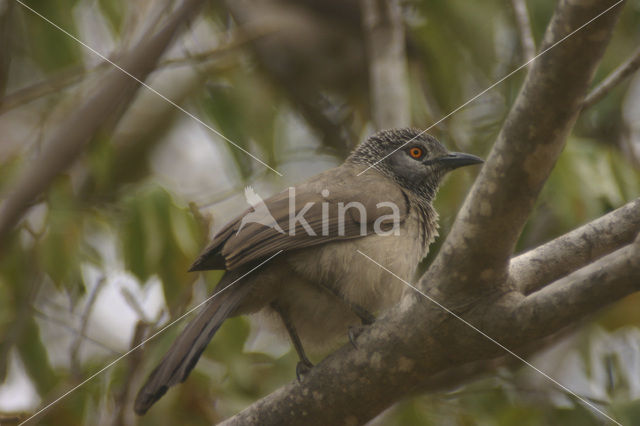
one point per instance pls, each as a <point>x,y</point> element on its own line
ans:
<point>344,265</point>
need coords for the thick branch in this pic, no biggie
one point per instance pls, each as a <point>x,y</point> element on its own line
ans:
<point>460,375</point>
<point>544,264</point>
<point>351,386</point>
<point>71,137</point>
<point>583,292</point>
<point>612,80</point>
<point>491,220</point>
<point>384,32</point>
<point>394,359</point>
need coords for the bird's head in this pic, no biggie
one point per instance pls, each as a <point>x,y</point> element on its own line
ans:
<point>415,160</point>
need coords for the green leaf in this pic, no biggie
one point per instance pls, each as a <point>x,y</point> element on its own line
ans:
<point>59,249</point>
<point>35,358</point>
<point>161,238</point>
<point>50,47</point>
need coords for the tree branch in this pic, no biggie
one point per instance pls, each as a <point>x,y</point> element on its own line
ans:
<point>538,267</point>
<point>524,27</point>
<point>620,74</point>
<point>53,84</point>
<point>62,324</point>
<point>582,292</point>
<point>460,375</point>
<point>71,76</point>
<point>484,235</point>
<point>384,34</point>
<point>74,349</point>
<point>69,140</point>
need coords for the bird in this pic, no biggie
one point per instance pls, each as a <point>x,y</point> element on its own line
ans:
<point>310,281</point>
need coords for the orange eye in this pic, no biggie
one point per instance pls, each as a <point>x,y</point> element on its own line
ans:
<point>415,152</point>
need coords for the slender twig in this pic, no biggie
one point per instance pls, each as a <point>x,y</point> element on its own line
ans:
<point>389,87</point>
<point>524,27</point>
<point>124,399</point>
<point>620,74</point>
<point>10,419</point>
<point>242,37</point>
<point>133,304</point>
<point>69,77</point>
<point>84,323</point>
<point>53,84</point>
<point>50,319</point>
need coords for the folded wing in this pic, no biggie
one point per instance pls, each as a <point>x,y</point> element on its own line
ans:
<point>309,219</point>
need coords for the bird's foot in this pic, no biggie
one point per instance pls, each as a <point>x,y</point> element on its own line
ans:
<point>302,368</point>
<point>366,318</point>
<point>353,332</point>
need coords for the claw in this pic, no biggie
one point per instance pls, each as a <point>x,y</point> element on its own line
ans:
<point>353,332</point>
<point>365,317</point>
<point>302,368</point>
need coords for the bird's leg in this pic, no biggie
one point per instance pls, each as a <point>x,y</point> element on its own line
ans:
<point>304,365</point>
<point>365,316</point>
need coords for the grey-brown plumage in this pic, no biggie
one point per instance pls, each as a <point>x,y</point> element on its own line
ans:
<point>319,284</point>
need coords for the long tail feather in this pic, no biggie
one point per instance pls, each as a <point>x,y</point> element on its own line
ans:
<point>187,348</point>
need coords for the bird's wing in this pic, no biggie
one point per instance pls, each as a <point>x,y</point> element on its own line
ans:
<point>231,249</point>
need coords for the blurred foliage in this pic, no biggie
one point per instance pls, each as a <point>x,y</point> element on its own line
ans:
<point>167,253</point>
<point>48,47</point>
<point>124,210</point>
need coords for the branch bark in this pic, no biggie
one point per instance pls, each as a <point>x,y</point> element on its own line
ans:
<point>388,86</point>
<point>71,137</point>
<point>588,289</point>
<point>538,267</point>
<point>458,376</point>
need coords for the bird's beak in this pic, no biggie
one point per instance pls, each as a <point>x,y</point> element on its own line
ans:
<point>453,160</point>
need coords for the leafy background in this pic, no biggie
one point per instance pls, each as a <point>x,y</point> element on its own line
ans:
<point>100,260</point>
